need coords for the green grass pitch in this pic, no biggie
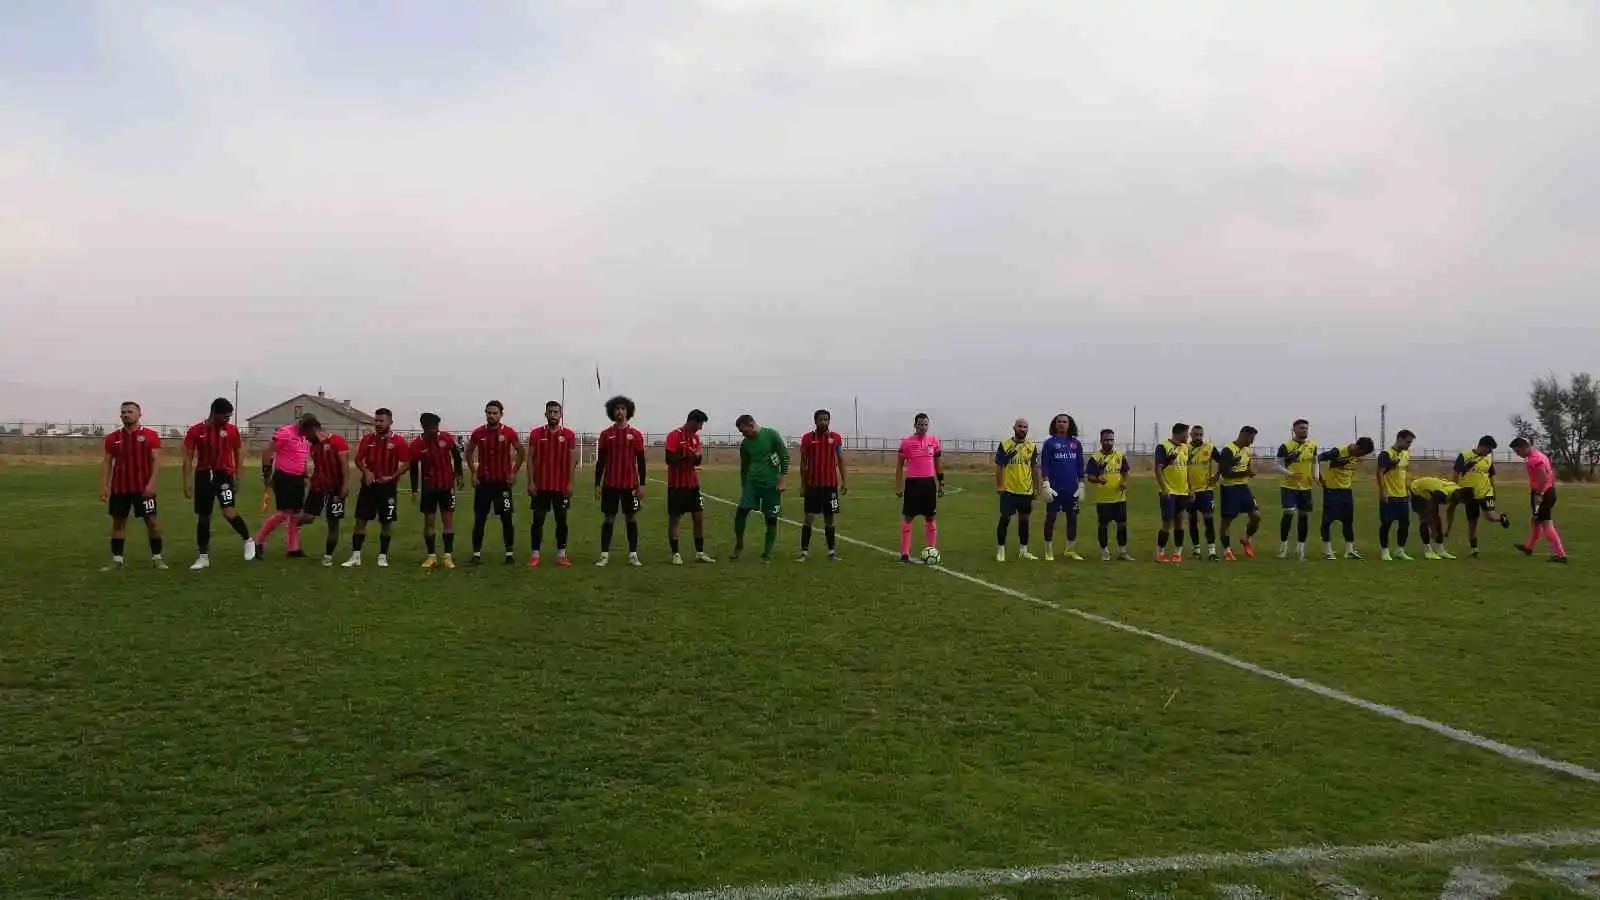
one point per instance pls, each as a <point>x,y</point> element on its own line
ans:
<point>281,730</point>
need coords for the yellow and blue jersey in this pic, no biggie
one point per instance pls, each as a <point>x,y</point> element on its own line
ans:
<point>1339,473</point>
<point>1430,487</point>
<point>1300,458</point>
<point>1200,456</point>
<point>1394,466</point>
<point>1233,460</point>
<point>1018,458</point>
<point>1476,471</point>
<point>1113,467</point>
<point>1172,461</point>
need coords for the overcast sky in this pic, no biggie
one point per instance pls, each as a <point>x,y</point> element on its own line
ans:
<point>1225,212</point>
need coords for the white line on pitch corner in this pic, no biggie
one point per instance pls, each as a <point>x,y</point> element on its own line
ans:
<point>1520,754</point>
<point>1286,858</point>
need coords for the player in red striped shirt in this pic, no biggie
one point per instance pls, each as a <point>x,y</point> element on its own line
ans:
<point>684,455</point>
<point>128,483</point>
<point>380,458</point>
<point>495,456</point>
<point>436,459</point>
<point>211,452</point>
<point>823,478</point>
<point>330,487</point>
<point>619,477</point>
<point>551,461</point>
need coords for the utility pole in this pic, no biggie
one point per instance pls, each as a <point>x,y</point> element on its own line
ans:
<point>1133,433</point>
<point>1383,425</point>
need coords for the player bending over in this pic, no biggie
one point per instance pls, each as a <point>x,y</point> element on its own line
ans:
<point>1016,481</point>
<point>1234,471</point>
<point>1542,491</point>
<point>1428,496</point>
<point>1107,474</point>
<point>552,464</point>
<point>128,473</point>
<point>434,459</point>
<point>1394,494</point>
<point>1062,465</point>
<point>1339,496</point>
<point>619,477</point>
<point>685,453</point>
<point>763,477</point>
<point>211,452</point>
<point>919,483</point>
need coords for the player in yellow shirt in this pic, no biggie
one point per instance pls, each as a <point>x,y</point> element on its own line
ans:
<point>1016,480</point>
<point>1339,495</point>
<point>1394,496</point>
<point>1235,470</point>
<point>1297,460</point>
<point>1428,494</point>
<point>1475,470</point>
<point>1107,474</point>
<point>1202,490</point>
<point>1172,482</point>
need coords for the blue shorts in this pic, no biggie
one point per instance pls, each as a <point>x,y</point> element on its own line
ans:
<point>1237,500</point>
<point>1112,513</point>
<point>1174,505</point>
<point>1205,502</point>
<point>1296,499</point>
<point>1067,503</point>
<point>1394,509</point>
<point>1338,504</point>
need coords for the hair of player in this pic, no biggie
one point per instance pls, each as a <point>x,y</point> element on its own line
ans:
<point>1488,441</point>
<point>1364,445</point>
<point>552,404</point>
<point>1405,434</point>
<point>133,404</point>
<point>382,411</point>
<point>309,420</point>
<point>1108,432</point>
<point>697,415</point>
<point>429,420</point>
<point>221,406</point>
<point>1299,422</point>
<point>820,413</point>
<point>1072,424</point>
<point>495,405</point>
<point>623,402</point>
<point>743,420</point>
<point>1179,427</point>
<point>1521,443</point>
<point>920,417</point>
<point>1249,431</point>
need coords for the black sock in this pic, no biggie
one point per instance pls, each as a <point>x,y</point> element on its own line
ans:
<point>202,534</point>
<point>1211,530</point>
<point>832,536</point>
<point>1283,527</point>
<point>428,540</point>
<point>1327,529</point>
<point>632,528</point>
<point>561,529</point>
<point>699,543</point>
<point>332,545</point>
<point>1022,533</point>
<point>1425,532</point>
<point>1049,528</point>
<point>1072,526</point>
<point>1103,532</point>
<point>155,545</point>
<point>508,530</point>
<point>805,538</point>
<point>357,542</point>
<point>673,543</point>
<point>383,544</point>
<point>1194,531</point>
<point>478,524</point>
<point>1304,528</point>
<point>1122,534</point>
<point>1473,541</point>
<point>606,530</point>
<point>450,542</point>
<point>1404,529</point>
<point>239,527</point>
<point>118,545</point>
<point>1226,540</point>
<point>1252,527</point>
<point>1000,531</point>
<point>1349,530</point>
<point>538,531</point>
<point>1383,533</point>
<point>1161,539</point>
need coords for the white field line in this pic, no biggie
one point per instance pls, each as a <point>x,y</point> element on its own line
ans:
<point>1520,754</point>
<point>1286,858</point>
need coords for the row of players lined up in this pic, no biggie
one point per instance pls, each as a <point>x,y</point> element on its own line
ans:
<point>307,471</point>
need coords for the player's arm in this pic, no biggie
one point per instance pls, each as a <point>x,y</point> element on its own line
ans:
<point>572,466</point>
<point>1094,472</point>
<point>1385,463</point>
<point>1038,479</point>
<point>639,462</point>
<point>1213,471</point>
<point>189,451</point>
<point>938,466</point>
<point>1283,461</point>
<point>1460,467</point>
<point>108,464</point>
<point>472,457</point>
<point>155,468</point>
<point>674,448</point>
<point>457,465</point>
<point>844,474</point>
<point>363,451</point>
<point>807,448</point>
<point>522,458</point>
<point>602,458</point>
<point>1162,464</point>
<point>900,473</point>
<point>1000,469</point>
<point>414,472</point>
<point>342,458</point>
<point>533,464</point>
<point>783,461</point>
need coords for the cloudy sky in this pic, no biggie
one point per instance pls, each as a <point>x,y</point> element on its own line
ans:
<point>1225,212</point>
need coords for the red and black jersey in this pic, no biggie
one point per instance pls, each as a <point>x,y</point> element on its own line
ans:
<point>382,454</point>
<point>551,449</point>
<point>215,447</point>
<point>619,460</point>
<point>328,469</point>
<point>681,472</point>
<point>133,458</point>
<point>819,458</point>
<point>496,445</point>
<point>438,458</point>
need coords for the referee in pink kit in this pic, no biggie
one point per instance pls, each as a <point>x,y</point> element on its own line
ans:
<point>1542,487</point>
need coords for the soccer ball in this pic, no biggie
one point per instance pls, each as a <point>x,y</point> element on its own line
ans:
<point>930,556</point>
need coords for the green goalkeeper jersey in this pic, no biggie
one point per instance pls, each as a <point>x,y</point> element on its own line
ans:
<point>763,458</point>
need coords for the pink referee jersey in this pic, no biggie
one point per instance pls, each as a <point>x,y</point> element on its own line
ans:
<point>1541,475</point>
<point>918,452</point>
<point>290,450</point>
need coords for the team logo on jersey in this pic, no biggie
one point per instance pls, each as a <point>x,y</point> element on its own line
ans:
<point>561,439</point>
<point>444,443</point>
<point>141,438</point>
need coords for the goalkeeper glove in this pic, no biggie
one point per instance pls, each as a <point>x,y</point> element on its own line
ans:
<point>1049,492</point>
<point>1078,494</point>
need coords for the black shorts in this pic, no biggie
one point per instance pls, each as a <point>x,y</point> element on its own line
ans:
<point>289,491</point>
<point>378,501</point>
<point>1477,506</point>
<point>437,500</point>
<point>921,498</point>
<point>1419,505</point>
<point>329,503</point>
<point>120,506</point>
<point>821,501</point>
<point>682,501</point>
<point>545,501</point>
<point>618,500</point>
<point>1112,513</point>
<point>1204,502</point>
<point>1544,505</point>
<point>213,488</point>
<point>492,498</point>
<point>1015,504</point>
<point>1338,504</point>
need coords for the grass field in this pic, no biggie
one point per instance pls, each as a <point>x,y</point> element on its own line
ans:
<point>281,730</point>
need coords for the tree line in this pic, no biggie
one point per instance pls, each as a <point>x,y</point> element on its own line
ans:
<point>1566,423</point>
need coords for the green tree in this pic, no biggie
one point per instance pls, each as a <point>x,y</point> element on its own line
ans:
<point>1566,421</point>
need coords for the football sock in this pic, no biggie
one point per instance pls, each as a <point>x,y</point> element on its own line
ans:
<point>1283,527</point>
<point>293,526</point>
<point>1072,526</point>
<point>607,528</point>
<point>383,544</point>
<point>1194,530</point>
<point>1022,533</point>
<point>832,536</point>
<point>930,531</point>
<point>508,531</point>
<point>1103,533</point>
<point>118,545</point>
<point>740,518</point>
<point>1049,528</point>
<point>1161,540</point>
<point>1000,531</point>
<point>538,531</point>
<point>673,543</point>
<point>449,543</point>
<point>905,538</point>
<point>357,542</point>
<point>805,538</point>
<point>1122,534</point>
<point>632,528</point>
<point>561,529</point>
<point>239,527</point>
<point>1402,531</point>
<point>202,534</point>
<point>155,545</point>
<point>1554,537</point>
<point>1303,529</point>
<point>770,538</point>
<point>332,544</point>
<point>429,542</point>
<point>699,543</point>
<point>1211,530</point>
<point>478,524</point>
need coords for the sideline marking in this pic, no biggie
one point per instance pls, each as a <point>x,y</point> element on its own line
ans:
<point>1520,754</point>
<point>1286,858</point>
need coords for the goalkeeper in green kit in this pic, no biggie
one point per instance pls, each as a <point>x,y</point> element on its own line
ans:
<point>763,471</point>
